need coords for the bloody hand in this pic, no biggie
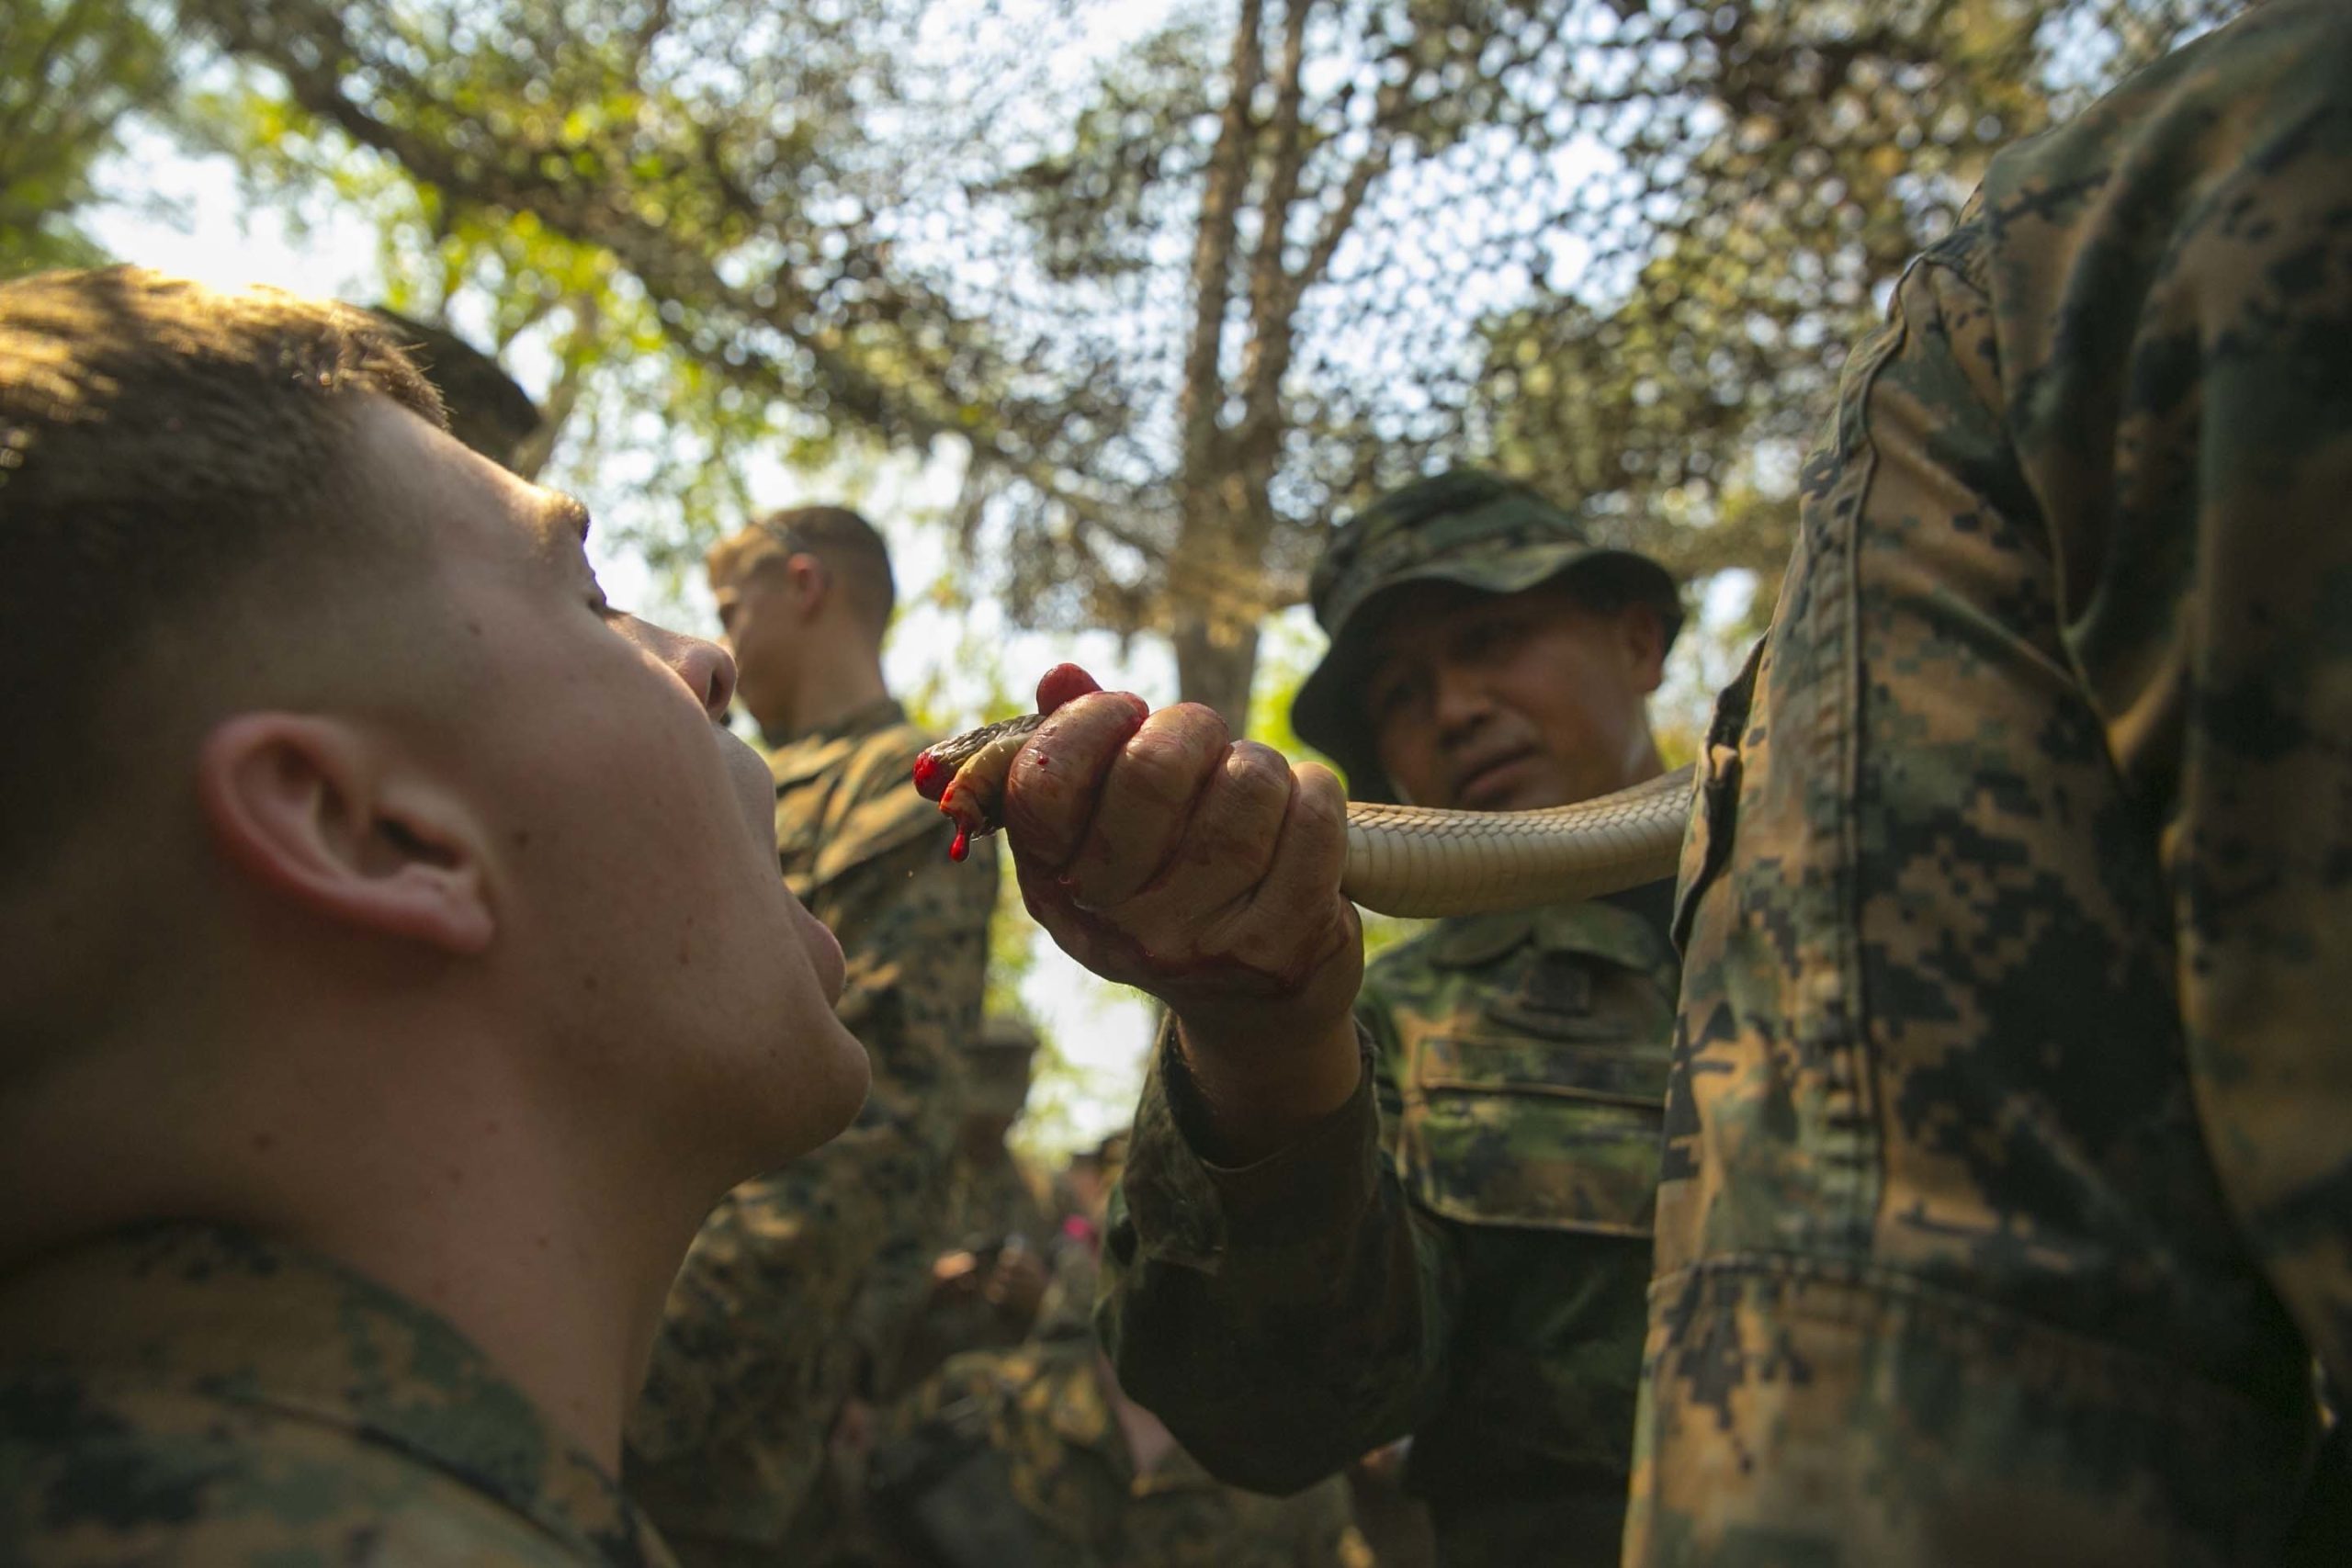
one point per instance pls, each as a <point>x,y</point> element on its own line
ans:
<point>1163,854</point>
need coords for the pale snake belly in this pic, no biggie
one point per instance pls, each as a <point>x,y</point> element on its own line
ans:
<point>1410,861</point>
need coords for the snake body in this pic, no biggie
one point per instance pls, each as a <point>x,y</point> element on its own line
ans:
<point>1411,860</point>
<point>1423,863</point>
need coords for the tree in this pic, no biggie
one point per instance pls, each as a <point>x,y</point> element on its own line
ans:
<point>71,72</point>
<point>1844,140</point>
<point>1184,303</point>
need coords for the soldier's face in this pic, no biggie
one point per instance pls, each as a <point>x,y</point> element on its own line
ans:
<point>1489,701</point>
<point>761,616</point>
<point>644,937</point>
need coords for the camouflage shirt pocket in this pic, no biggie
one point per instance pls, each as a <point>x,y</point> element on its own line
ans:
<point>1552,1123</point>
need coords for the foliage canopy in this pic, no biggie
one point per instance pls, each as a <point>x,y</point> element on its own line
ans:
<point>1187,293</point>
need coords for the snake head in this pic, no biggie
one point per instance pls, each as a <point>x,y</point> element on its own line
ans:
<point>932,775</point>
<point>965,775</point>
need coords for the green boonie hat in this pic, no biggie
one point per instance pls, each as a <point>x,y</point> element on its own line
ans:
<point>1467,526</point>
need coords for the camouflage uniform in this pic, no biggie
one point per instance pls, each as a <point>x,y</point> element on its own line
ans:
<point>801,1281</point>
<point>1460,1253</point>
<point>989,1202</point>
<point>1062,1491</point>
<point>193,1393</point>
<point>2004,1200</point>
<point>1003,1204</point>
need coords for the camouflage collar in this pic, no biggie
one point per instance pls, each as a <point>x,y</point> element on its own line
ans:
<point>878,714</point>
<point>1599,929</point>
<point>813,751</point>
<point>232,1318</point>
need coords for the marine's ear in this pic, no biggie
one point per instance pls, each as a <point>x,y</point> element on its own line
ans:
<point>810,581</point>
<point>320,813</point>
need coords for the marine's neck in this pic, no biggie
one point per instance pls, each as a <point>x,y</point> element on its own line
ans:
<point>444,1177</point>
<point>828,704</point>
<point>559,1280</point>
<point>836,677</point>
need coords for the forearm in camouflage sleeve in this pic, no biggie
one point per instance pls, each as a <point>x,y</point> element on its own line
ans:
<point>1282,1319</point>
<point>2009,1082</point>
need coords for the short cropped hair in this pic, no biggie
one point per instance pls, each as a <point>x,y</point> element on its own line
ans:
<point>158,441</point>
<point>844,541</point>
<point>486,410</point>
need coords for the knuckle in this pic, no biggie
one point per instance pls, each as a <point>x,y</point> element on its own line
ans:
<point>1319,805</point>
<point>1199,715</point>
<point>1165,762</point>
<point>1255,762</point>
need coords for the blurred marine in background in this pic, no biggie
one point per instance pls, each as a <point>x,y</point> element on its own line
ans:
<point>798,1290</point>
<point>1033,1457</point>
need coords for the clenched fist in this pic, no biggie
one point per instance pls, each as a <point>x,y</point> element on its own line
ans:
<point>1161,854</point>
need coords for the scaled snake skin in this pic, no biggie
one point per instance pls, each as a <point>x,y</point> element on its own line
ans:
<point>1410,861</point>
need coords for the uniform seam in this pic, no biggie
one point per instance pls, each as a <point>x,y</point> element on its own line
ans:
<point>1848,1041</point>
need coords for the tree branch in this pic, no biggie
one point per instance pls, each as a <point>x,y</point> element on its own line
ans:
<point>1213,243</point>
<point>1269,299</point>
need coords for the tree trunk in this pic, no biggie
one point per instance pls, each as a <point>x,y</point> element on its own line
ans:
<point>1215,665</point>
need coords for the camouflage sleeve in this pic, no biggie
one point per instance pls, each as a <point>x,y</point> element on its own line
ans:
<point>1284,1317</point>
<point>2197,491</point>
<point>974,1379</point>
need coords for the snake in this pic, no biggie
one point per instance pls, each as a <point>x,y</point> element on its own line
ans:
<point>1417,862</point>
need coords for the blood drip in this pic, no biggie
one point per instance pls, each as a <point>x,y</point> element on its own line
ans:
<point>962,844</point>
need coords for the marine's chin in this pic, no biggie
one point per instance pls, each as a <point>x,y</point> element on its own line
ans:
<point>824,949</point>
<point>849,1075</point>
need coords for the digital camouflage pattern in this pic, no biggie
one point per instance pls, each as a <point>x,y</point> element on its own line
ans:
<point>2008,1192</point>
<point>1067,1470</point>
<point>986,1202</point>
<point>991,1208</point>
<point>801,1282</point>
<point>193,1393</point>
<point>1466,526</point>
<point>1459,1254</point>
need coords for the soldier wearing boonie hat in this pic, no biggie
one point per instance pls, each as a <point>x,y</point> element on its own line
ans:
<point>1466,526</point>
<point>1461,1254</point>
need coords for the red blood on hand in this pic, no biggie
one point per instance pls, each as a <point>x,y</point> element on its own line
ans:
<point>930,776</point>
<point>962,844</point>
<point>1062,683</point>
